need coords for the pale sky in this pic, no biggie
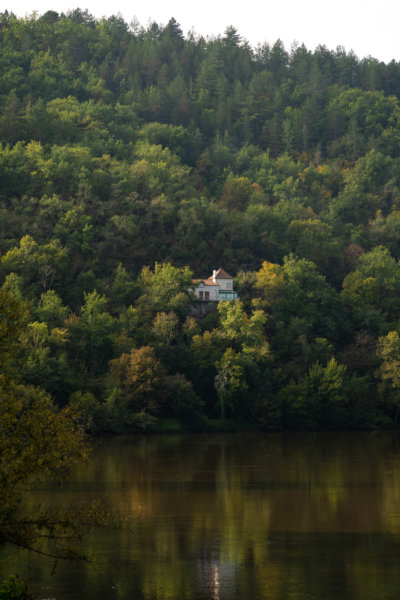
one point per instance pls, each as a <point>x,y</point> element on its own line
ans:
<point>367,27</point>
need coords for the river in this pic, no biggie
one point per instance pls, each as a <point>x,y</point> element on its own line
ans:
<point>235,516</point>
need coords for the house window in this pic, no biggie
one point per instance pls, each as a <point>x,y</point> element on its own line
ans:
<point>228,285</point>
<point>207,296</point>
<point>201,295</point>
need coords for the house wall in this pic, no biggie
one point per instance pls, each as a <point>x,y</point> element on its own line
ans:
<point>212,290</point>
<point>225,284</point>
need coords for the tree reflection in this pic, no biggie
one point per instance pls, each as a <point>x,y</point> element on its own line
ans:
<point>240,516</point>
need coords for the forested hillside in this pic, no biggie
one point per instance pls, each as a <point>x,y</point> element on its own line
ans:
<point>133,159</point>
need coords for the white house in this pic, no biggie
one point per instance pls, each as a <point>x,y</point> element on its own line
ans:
<point>219,286</point>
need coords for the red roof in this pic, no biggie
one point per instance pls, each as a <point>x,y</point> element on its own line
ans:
<point>221,274</point>
<point>209,281</point>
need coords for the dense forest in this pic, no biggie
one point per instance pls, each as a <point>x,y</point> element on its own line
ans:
<point>134,159</point>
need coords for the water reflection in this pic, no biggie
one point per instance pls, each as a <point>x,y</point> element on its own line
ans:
<point>238,516</point>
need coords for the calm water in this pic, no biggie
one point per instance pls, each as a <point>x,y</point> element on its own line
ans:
<point>243,516</point>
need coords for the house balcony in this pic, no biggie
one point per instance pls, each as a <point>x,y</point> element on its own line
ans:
<point>227,295</point>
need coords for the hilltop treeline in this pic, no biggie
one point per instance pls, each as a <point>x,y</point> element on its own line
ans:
<point>133,159</point>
